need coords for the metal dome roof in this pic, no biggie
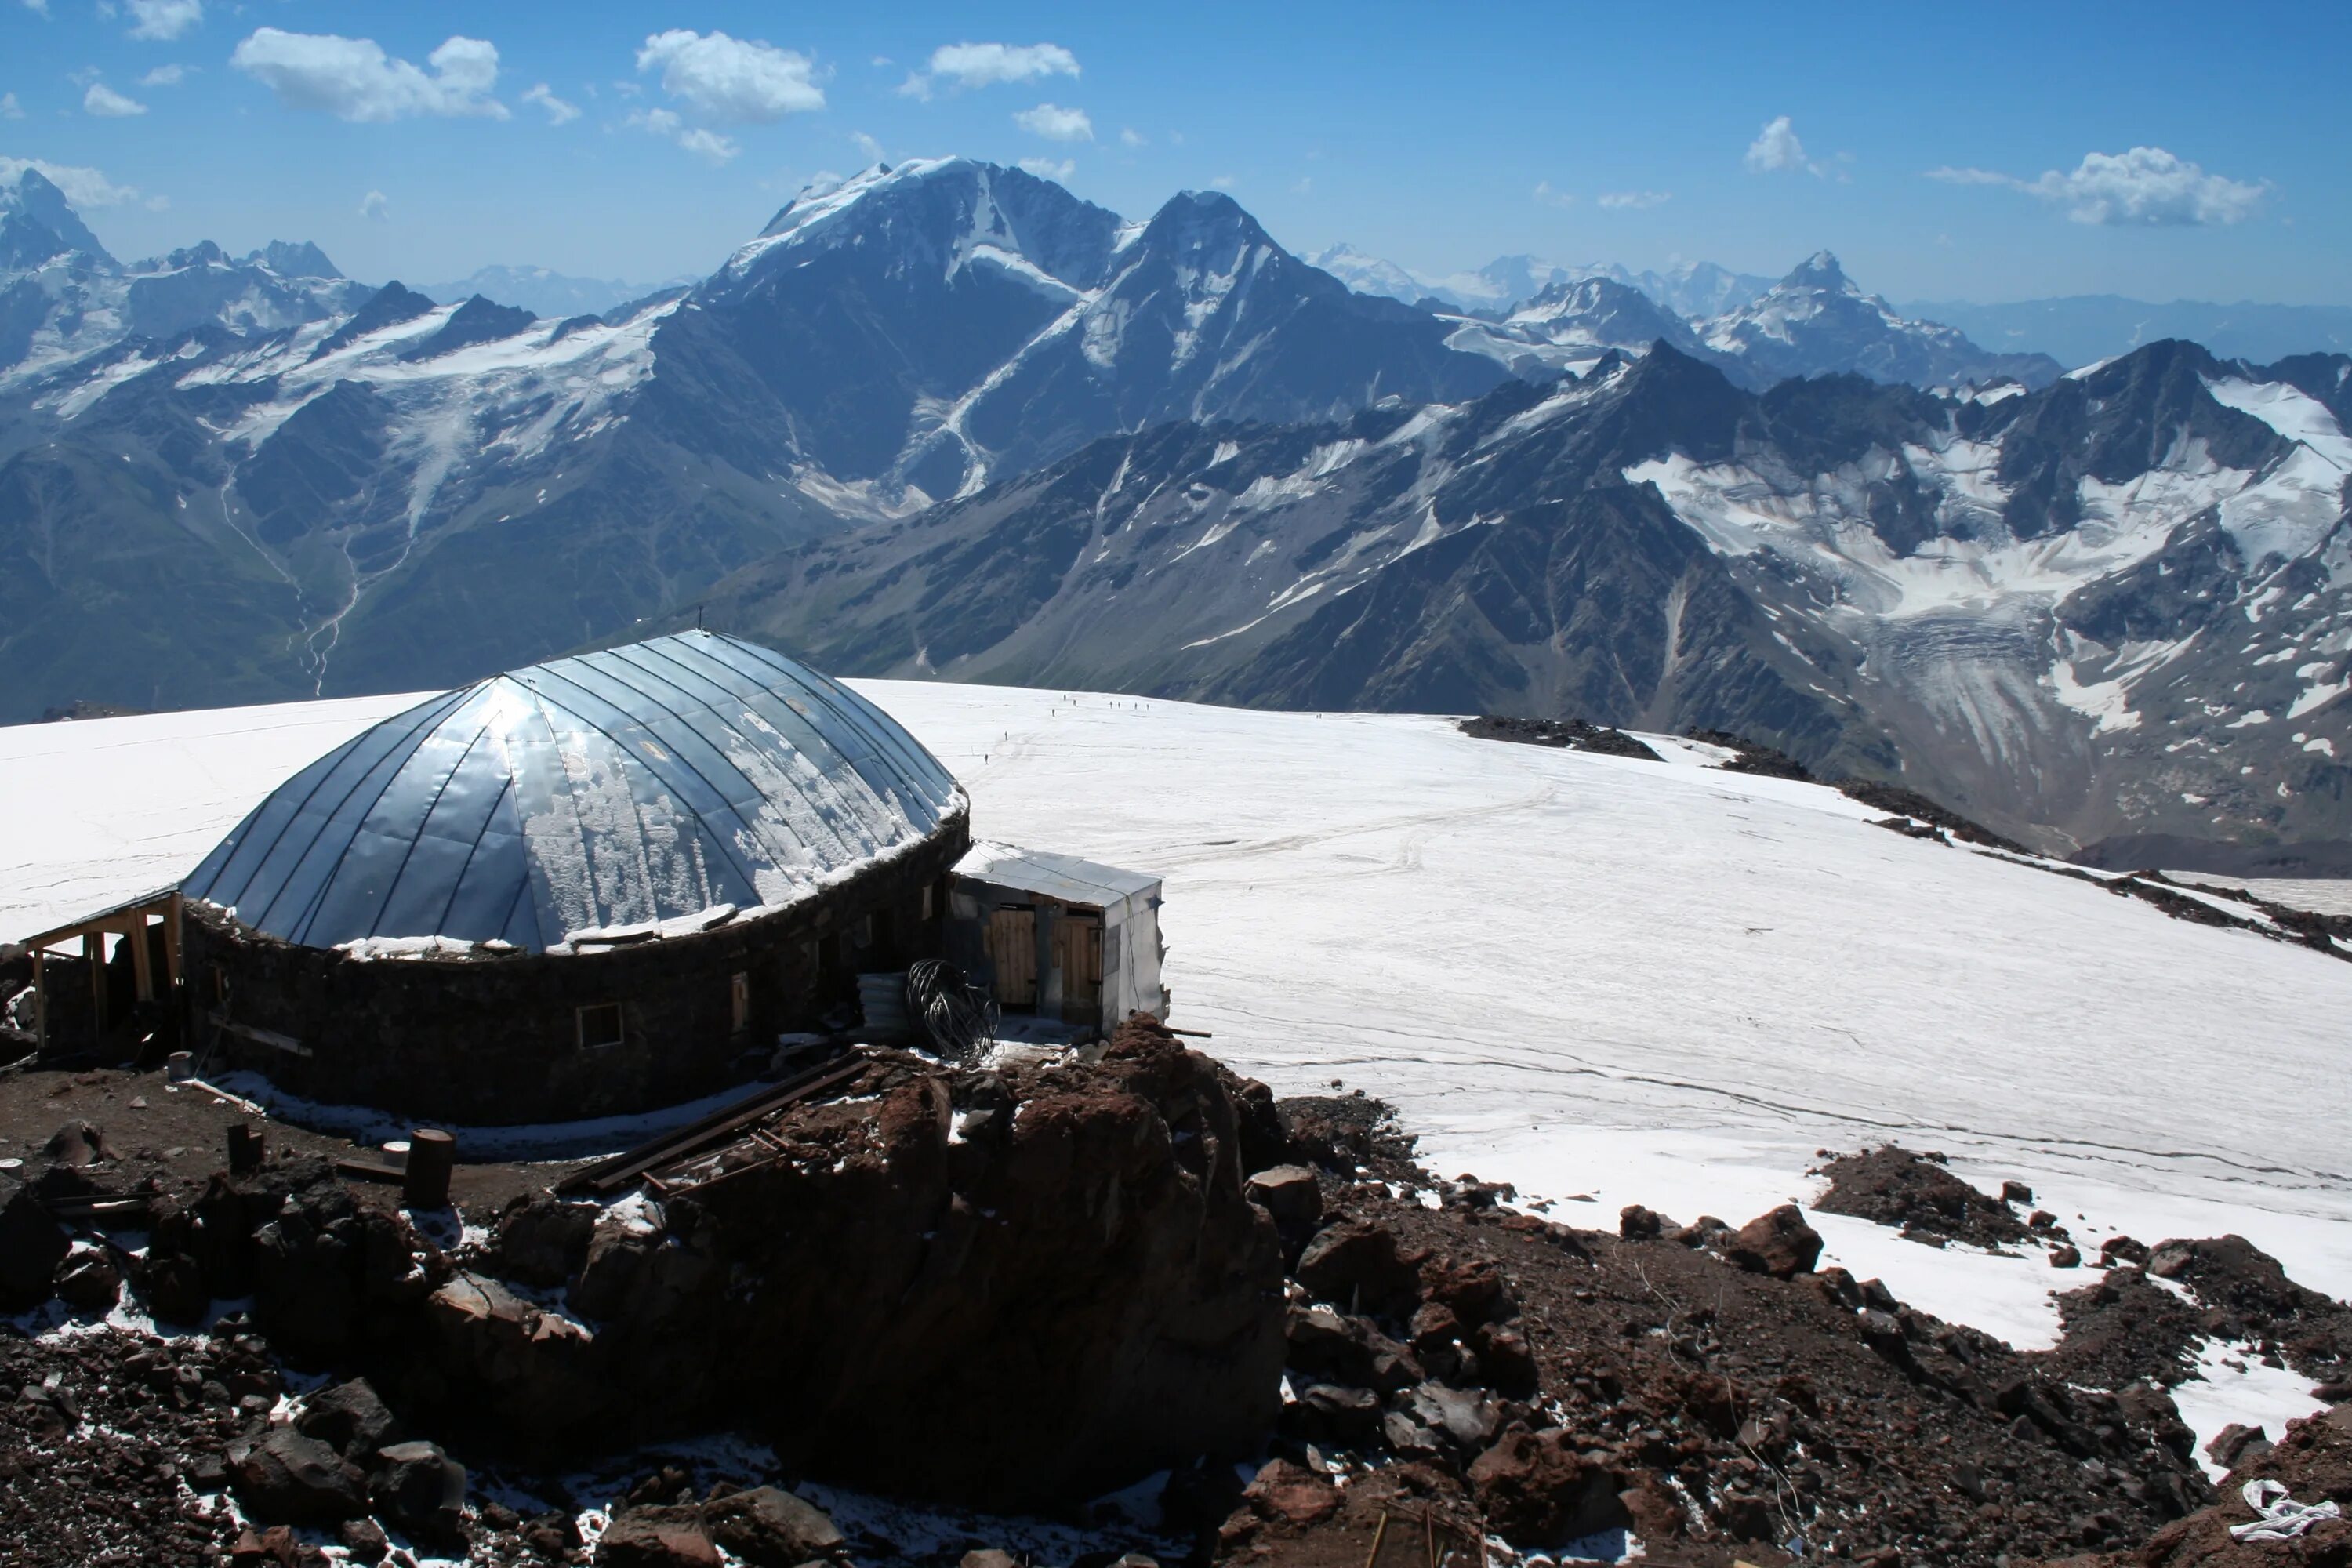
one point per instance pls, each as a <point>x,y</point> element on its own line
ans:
<point>640,784</point>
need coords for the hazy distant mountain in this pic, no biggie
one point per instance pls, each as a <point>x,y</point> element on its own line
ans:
<point>2082,328</point>
<point>1816,321</point>
<point>540,291</point>
<point>1693,288</point>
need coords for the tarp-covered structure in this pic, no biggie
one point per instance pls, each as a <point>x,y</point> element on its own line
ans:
<point>630,786</point>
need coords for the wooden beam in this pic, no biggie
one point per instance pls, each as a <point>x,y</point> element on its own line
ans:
<point>171,936</point>
<point>93,949</point>
<point>142,962</point>
<point>40,1007</point>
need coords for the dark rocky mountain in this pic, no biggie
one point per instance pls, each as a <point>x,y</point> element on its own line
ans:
<point>1816,322</point>
<point>2108,606</point>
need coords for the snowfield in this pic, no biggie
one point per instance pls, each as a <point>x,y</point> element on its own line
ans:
<point>1594,977</point>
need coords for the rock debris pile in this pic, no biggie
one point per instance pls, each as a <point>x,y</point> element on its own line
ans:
<point>1017,1288</point>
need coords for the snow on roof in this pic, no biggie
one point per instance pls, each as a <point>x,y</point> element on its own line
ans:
<point>1064,876</point>
<point>641,783</point>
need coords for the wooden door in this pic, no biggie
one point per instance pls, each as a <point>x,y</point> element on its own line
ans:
<point>1012,954</point>
<point>1078,947</point>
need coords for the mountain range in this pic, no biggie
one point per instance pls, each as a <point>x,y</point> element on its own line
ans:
<point>2121,603</point>
<point>947,418</point>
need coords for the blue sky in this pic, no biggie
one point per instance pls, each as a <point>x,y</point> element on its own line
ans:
<point>1986,153</point>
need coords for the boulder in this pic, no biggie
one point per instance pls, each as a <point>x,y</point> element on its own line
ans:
<point>1289,1193</point>
<point>1780,1244</point>
<point>1356,1264</point>
<point>365,1540</point>
<point>1292,1494</point>
<point>1635,1223</point>
<point>350,1418</point>
<point>2014,1192</point>
<point>173,1285</point>
<point>2235,1444</point>
<point>1329,1347</point>
<point>89,1281</point>
<point>542,1369</point>
<point>1475,1292</point>
<point>1330,1413</point>
<point>1538,1490</point>
<point>284,1478</point>
<point>989,1557</point>
<point>76,1143</point>
<point>31,1245</point>
<point>2065,1258</point>
<point>657,1537</point>
<point>769,1527</point>
<point>421,1490</point>
<point>543,1241</point>
<point>1468,1415</point>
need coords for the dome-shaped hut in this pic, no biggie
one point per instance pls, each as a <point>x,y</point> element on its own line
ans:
<point>598,884</point>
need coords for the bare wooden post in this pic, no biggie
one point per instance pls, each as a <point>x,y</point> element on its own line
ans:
<point>40,1006</point>
<point>432,1155</point>
<point>172,939</point>
<point>93,949</point>
<point>143,966</point>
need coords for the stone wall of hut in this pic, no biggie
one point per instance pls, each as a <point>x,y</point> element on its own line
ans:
<point>489,1039</point>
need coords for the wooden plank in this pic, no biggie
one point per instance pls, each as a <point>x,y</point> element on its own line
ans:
<point>93,949</point>
<point>171,936</point>
<point>610,1175</point>
<point>142,962</point>
<point>40,1006</point>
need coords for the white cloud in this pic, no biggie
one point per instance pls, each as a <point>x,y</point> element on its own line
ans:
<point>376,207</point>
<point>558,111</point>
<point>1776,150</point>
<point>38,8</point>
<point>164,76</point>
<point>732,80</point>
<point>84,187</point>
<point>1221,183</point>
<point>1128,136</point>
<point>1552,198</point>
<point>163,20</point>
<point>157,203</point>
<point>1055,123</point>
<point>107,104</point>
<point>665,123</point>
<point>1637,201</point>
<point>1048,169</point>
<point>9,108</point>
<point>868,145</point>
<point>353,78</point>
<point>2146,187</point>
<point>1303,187</point>
<point>990,65</point>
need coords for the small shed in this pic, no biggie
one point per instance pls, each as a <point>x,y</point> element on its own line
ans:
<point>1062,938</point>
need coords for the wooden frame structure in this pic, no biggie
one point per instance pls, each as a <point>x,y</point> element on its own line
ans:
<point>130,920</point>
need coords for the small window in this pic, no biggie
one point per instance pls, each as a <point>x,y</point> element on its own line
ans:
<point>740,995</point>
<point>600,1025</point>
